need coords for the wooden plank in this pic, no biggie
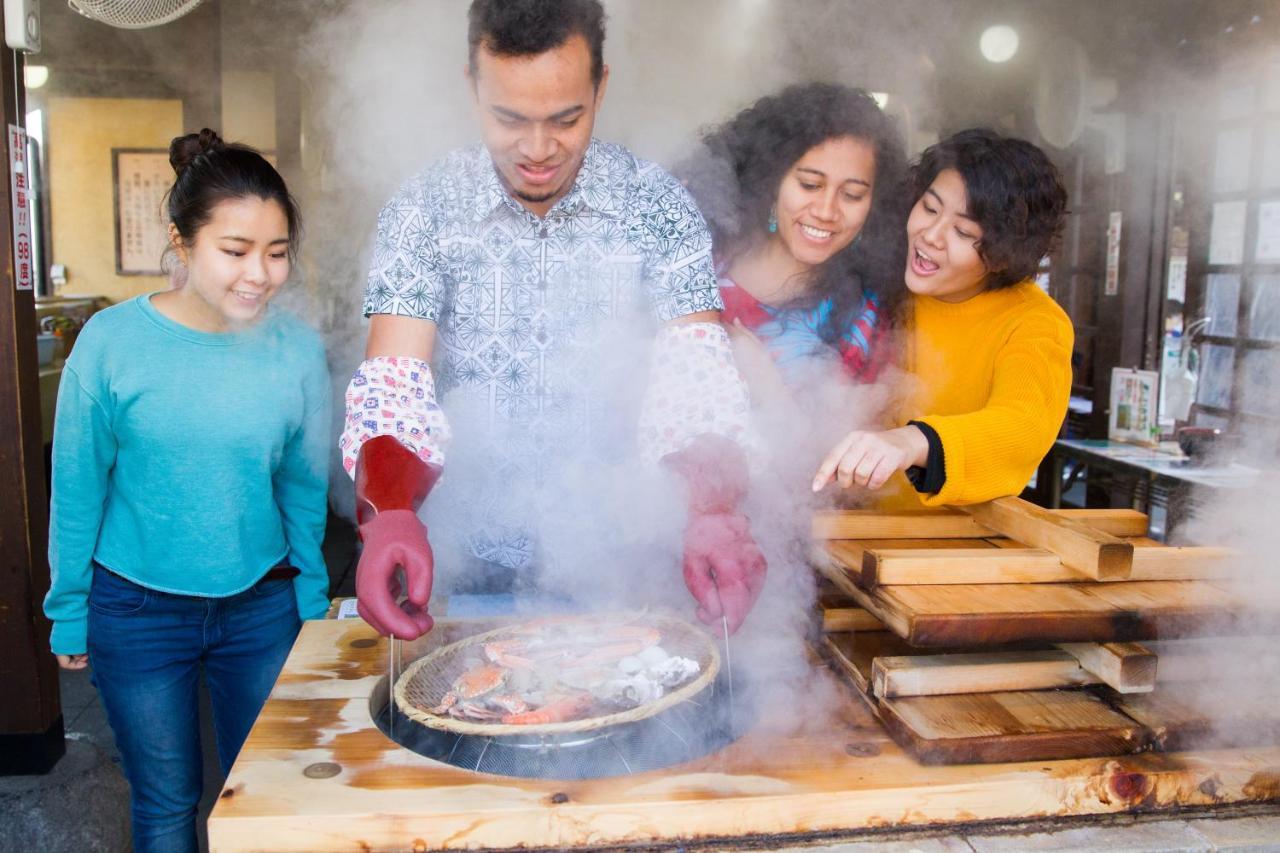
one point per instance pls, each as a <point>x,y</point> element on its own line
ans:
<point>985,672</point>
<point>948,524</point>
<point>1089,551</point>
<point>851,554</point>
<point>835,619</point>
<point>986,614</point>
<point>894,566</point>
<point>854,654</point>
<point>1124,667</point>
<point>1181,720</point>
<point>1013,564</point>
<point>315,775</point>
<point>986,728</point>
<point>834,571</point>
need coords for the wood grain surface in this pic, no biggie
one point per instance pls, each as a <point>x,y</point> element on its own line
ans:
<point>943,615</point>
<point>1014,726</point>
<point>316,775</point>
<point>1082,547</point>
<point>977,672</point>
<point>953,524</point>
<point>897,562</point>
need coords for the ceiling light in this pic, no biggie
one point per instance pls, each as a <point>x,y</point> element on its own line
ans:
<point>35,76</point>
<point>999,43</point>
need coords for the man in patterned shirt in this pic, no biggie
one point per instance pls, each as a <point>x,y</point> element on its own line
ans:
<point>507,262</point>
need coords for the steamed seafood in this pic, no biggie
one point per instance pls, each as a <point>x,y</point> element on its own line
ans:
<point>560,669</point>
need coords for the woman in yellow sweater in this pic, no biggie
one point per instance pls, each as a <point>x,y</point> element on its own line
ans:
<point>989,351</point>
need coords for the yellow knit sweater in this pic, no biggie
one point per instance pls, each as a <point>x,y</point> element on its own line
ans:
<point>994,375</point>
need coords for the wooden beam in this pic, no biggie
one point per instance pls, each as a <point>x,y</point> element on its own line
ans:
<point>987,614</point>
<point>1032,725</point>
<point>946,524</point>
<point>893,566</point>
<point>843,619</point>
<point>940,675</point>
<point>1151,562</point>
<point>1124,667</point>
<point>31,724</point>
<point>1094,553</point>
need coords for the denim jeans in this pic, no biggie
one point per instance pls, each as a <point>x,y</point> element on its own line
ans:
<point>146,649</point>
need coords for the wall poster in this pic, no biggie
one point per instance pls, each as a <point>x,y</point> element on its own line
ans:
<point>1133,406</point>
<point>142,177</point>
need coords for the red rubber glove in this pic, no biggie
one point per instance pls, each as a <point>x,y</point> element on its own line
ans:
<point>723,566</point>
<point>391,483</point>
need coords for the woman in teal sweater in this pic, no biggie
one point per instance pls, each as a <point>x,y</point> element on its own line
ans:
<point>190,463</point>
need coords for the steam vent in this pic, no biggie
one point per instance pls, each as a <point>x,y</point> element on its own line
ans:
<point>596,425</point>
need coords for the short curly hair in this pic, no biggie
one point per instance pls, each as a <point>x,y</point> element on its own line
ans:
<point>531,27</point>
<point>1015,194</point>
<point>736,176</point>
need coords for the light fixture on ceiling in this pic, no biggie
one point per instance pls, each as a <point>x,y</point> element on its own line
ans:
<point>35,76</point>
<point>999,43</point>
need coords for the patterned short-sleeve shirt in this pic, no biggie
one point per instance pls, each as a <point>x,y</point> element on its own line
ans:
<point>525,306</point>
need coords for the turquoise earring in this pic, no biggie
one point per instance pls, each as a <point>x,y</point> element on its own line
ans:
<point>773,222</point>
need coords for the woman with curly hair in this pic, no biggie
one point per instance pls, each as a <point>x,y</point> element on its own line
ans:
<point>804,192</point>
<point>990,350</point>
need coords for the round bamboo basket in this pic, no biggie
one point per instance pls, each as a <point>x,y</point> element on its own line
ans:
<point>425,682</point>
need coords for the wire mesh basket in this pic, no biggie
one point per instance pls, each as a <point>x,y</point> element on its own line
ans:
<point>558,644</point>
<point>133,14</point>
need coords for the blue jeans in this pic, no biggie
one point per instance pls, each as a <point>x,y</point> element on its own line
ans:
<point>146,649</point>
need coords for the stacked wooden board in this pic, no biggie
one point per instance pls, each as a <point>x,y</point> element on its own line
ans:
<point>1007,632</point>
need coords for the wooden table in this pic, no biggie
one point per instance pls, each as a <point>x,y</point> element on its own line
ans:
<point>1158,475</point>
<point>316,774</point>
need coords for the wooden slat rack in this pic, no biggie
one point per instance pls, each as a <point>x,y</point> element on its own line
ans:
<point>1006,632</point>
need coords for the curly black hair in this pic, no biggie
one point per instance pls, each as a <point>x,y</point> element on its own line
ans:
<point>530,27</point>
<point>1015,193</point>
<point>735,179</point>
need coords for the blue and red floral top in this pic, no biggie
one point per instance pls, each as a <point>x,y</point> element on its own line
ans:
<point>794,335</point>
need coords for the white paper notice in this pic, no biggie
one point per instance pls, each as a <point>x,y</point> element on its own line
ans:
<point>1112,286</point>
<point>1226,235</point>
<point>142,179</point>
<point>1177,289</point>
<point>1268,231</point>
<point>20,208</point>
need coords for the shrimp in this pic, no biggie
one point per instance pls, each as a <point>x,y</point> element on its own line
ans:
<point>560,709</point>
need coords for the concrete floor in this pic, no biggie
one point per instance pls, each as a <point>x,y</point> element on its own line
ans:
<point>85,719</point>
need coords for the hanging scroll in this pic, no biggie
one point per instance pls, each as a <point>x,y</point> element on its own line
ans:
<point>142,177</point>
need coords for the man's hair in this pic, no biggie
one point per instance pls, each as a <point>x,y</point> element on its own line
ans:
<point>1015,194</point>
<point>531,27</point>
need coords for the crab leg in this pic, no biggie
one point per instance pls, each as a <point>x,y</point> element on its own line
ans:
<point>558,710</point>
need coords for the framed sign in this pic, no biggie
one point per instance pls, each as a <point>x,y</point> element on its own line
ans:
<point>142,176</point>
<point>1133,406</point>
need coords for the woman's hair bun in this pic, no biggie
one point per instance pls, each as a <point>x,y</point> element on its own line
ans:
<point>183,150</point>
